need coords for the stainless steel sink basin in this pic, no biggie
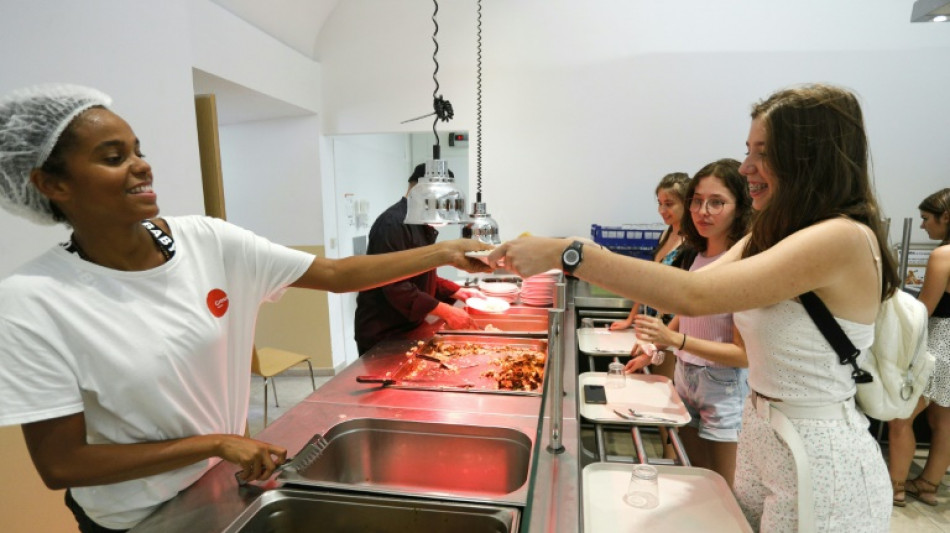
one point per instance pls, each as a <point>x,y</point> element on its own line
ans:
<point>293,511</point>
<point>449,461</point>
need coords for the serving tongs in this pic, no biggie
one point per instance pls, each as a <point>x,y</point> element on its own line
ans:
<point>302,460</point>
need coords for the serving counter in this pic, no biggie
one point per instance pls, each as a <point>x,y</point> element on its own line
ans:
<point>547,501</point>
<point>397,459</point>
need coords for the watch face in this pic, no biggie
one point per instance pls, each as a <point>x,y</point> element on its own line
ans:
<point>571,257</point>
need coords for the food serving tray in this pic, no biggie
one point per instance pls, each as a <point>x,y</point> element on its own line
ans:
<point>691,499</point>
<point>516,321</point>
<point>478,363</point>
<point>651,395</point>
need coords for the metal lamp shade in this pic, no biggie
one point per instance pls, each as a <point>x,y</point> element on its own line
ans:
<point>435,199</point>
<point>481,226</point>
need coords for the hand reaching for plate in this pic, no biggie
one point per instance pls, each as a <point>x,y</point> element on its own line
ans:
<point>528,256</point>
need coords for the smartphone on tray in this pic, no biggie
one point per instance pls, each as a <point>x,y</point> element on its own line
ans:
<point>595,394</point>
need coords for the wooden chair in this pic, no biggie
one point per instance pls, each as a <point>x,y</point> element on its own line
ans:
<point>268,362</point>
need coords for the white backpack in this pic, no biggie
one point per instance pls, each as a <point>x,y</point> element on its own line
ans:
<point>898,366</point>
<point>898,361</point>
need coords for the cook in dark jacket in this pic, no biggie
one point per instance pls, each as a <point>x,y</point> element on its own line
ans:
<point>391,311</point>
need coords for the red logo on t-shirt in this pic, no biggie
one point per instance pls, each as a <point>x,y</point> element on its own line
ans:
<point>218,302</point>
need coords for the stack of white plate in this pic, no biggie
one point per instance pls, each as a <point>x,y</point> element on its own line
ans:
<point>500,289</point>
<point>538,290</point>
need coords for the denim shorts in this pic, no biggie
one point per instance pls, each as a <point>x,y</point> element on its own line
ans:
<point>714,396</point>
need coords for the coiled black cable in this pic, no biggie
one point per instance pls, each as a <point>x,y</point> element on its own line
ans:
<point>478,104</point>
<point>442,107</point>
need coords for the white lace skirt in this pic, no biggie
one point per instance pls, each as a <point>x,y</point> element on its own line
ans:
<point>938,341</point>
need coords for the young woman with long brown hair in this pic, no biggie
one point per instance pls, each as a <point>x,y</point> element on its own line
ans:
<point>806,459</point>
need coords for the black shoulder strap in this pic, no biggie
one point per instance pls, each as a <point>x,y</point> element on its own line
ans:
<point>163,240</point>
<point>837,338</point>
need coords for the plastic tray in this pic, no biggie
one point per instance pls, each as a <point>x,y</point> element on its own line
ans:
<point>602,341</point>
<point>649,394</point>
<point>691,499</point>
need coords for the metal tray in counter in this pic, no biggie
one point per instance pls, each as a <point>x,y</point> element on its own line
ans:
<point>293,511</point>
<point>476,368</point>
<point>691,499</point>
<point>518,321</point>
<point>420,459</point>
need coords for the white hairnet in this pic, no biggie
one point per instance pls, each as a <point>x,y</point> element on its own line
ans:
<point>31,121</point>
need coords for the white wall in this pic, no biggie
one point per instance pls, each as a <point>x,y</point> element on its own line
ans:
<point>110,45</point>
<point>271,174</point>
<point>587,105</point>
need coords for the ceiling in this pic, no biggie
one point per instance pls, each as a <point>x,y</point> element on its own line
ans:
<point>236,103</point>
<point>297,24</point>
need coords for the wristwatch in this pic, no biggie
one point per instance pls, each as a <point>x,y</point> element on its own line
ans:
<point>572,257</point>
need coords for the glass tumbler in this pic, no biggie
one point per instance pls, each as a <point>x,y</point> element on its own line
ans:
<point>642,492</point>
<point>616,379</point>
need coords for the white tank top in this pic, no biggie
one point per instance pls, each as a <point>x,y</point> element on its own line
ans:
<point>789,358</point>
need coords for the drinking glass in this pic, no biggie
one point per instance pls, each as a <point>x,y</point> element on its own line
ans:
<point>642,492</point>
<point>616,379</point>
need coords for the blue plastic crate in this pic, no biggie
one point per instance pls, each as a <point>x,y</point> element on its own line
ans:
<point>636,240</point>
<point>639,253</point>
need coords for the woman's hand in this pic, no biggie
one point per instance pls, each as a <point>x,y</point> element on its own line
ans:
<point>651,329</point>
<point>621,324</point>
<point>528,256</point>
<point>257,459</point>
<point>640,360</point>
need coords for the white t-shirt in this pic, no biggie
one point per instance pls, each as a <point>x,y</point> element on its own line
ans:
<point>147,356</point>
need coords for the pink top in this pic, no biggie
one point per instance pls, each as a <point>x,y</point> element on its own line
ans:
<point>710,327</point>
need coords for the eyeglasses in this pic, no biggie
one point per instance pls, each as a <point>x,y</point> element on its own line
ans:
<point>713,205</point>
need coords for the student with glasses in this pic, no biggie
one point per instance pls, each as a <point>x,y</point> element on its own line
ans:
<point>711,362</point>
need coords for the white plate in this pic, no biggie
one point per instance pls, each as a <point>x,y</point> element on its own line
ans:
<point>482,255</point>
<point>497,287</point>
<point>488,305</point>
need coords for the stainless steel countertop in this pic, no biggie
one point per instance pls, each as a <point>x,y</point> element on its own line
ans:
<point>552,493</point>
